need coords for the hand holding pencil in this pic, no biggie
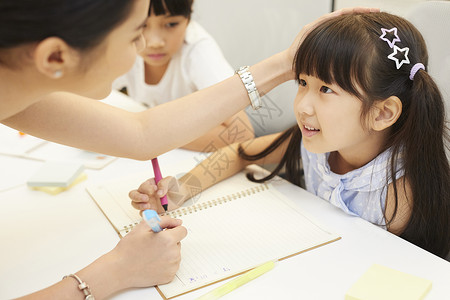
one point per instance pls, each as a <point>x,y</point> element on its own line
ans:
<point>156,192</point>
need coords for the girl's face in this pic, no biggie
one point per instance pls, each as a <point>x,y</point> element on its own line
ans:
<point>164,35</point>
<point>115,55</point>
<point>329,117</point>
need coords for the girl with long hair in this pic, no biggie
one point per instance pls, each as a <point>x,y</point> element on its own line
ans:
<point>371,135</point>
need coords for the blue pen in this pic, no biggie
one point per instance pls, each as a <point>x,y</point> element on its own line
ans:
<point>152,219</point>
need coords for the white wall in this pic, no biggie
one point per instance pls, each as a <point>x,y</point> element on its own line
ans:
<point>432,18</point>
<point>251,30</point>
<point>398,7</point>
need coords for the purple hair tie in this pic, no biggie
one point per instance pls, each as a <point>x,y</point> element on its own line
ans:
<point>415,69</point>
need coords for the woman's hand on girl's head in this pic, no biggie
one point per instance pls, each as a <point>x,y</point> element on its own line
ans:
<point>148,195</point>
<point>309,27</point>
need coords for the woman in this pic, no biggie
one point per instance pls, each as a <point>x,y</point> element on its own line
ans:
<point>52,48</point>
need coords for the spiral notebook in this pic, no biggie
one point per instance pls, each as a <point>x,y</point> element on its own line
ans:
<point>227,235</point>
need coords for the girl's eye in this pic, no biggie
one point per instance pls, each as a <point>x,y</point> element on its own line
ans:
<point>302,82</point>
<point>326,90</point>
<point>172,24</point>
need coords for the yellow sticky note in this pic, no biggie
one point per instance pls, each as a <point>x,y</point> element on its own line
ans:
<point>55,174</point>
<point>54,190</point>
<point>380,282</point>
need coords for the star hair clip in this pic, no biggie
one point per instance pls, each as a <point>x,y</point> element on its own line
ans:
<point>391,43</point>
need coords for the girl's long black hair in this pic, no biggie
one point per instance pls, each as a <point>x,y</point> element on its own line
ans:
<point>348,51</point>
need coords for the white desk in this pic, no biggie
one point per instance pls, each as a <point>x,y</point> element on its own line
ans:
<point>45,237</point>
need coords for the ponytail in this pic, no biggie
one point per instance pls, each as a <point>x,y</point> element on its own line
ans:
<point>423,136</point>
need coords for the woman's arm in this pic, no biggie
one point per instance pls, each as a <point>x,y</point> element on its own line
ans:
<point>237,129</point>
<point>80,122</point>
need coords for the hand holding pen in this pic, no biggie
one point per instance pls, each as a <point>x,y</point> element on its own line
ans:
<point>149,194</point>
<point>162,253</point>
<point>156,193</point>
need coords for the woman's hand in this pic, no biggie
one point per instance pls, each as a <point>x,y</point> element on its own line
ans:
<point>309,27</point>
<point>148,195</point>
<point>144,258</point>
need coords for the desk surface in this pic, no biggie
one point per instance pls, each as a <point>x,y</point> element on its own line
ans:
<point>45,237</point>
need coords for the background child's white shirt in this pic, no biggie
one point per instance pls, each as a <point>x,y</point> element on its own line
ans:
<point>361,192</point>
<point>199,64</point>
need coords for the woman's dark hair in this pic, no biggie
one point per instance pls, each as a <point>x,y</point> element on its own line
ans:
<point>348,51</point>
<point>171,7</point>
<point>82,24</point>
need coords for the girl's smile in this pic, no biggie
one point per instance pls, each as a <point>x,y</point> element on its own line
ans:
<point>308,131</point>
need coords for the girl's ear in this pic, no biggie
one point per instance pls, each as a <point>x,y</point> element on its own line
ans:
<point>386,113</point>
<point>53,57</point>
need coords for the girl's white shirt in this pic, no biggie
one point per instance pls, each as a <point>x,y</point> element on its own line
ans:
<point>199,64</point>
<point>361,192</point>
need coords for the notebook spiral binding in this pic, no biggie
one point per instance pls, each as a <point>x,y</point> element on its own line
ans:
<point>128,228</point>
<point>183,211</point>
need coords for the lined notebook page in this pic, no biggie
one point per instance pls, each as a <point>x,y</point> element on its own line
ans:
<point>234,234</point>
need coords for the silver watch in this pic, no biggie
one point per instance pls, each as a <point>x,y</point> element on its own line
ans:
<point>250,86</point>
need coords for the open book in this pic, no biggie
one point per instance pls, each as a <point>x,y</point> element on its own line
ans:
<point>228,234</point>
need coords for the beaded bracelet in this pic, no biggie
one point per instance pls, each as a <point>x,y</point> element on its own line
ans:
<point>82,286</point>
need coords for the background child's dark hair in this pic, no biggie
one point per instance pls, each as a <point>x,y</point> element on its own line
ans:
<point>348,51</point>
<point>82,24</point>
<point>171,7</point>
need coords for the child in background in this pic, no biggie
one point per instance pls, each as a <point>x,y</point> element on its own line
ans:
<point>371,132</point>
<point>180,58</point>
